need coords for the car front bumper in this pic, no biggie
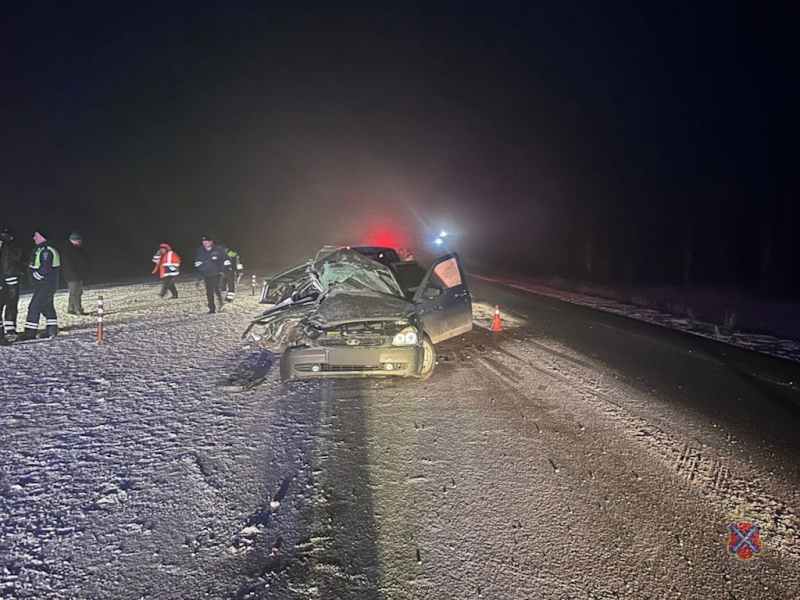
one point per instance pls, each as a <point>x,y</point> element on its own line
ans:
<point>312,362</point>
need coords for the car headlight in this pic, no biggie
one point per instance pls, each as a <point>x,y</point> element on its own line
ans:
<point>407,337</point>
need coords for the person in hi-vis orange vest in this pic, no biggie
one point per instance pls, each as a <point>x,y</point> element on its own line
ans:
<point>168,267</point>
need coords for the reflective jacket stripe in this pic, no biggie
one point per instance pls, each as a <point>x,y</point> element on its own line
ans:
<point>168,264</point>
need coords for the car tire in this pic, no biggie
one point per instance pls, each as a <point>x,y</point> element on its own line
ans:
<point>428,358</point>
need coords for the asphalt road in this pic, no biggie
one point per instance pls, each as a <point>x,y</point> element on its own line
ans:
<point>576,454</point>
<point>751,396</point>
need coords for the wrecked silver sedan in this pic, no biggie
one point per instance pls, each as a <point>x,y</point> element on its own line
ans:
<point>346,315</point>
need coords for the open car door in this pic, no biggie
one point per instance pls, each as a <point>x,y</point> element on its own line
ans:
<point>443,300</point>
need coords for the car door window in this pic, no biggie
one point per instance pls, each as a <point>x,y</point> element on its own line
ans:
<point>445,275</point>
<point>448,274</point>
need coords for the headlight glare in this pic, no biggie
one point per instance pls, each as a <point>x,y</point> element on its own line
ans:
<point>407,337</point>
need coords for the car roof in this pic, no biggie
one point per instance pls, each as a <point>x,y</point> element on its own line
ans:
<point>372,248</point>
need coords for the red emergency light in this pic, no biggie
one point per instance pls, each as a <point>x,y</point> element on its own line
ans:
<point>386,237</point>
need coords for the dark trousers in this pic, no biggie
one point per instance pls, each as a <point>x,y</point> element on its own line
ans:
<point>168,285</point>
<point>75,294</point>
<point>212,289</point>
<point>3,295</point>
<point>42,304</point>
<point>229,285</point>
<point>9,303</point>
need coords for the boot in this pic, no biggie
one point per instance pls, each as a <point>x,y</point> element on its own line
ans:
<point>28,334</point>
<point>50,331</point>
<point>3,340</point>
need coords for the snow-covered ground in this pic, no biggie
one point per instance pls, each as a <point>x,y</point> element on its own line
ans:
<point>133,470</point>
<point>766,344</point>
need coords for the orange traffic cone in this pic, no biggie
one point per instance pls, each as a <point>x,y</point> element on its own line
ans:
<point>496,326</point>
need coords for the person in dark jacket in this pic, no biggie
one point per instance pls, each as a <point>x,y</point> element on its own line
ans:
<point>211,260</point>
<point>12,267</point>
<point>75,269</point>
<point>44,268</point>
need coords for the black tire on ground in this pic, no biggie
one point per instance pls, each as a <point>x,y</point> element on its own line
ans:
<point>428,357</point>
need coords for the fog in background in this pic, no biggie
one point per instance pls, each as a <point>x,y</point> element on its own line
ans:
<point>650,144</point>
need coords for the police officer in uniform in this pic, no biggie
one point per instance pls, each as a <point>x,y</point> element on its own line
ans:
<point>44,275</point>
<point>211,260</point>
<point>12,266</point>
<point>232,274</point>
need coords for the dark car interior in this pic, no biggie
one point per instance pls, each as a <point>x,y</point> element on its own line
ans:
<point>409,275</point>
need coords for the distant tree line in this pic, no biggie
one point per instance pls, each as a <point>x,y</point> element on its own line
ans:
<point>716,240</point>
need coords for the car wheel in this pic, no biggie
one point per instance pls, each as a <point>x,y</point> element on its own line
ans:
<point>428,358</point>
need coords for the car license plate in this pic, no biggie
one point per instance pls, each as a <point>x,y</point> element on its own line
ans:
<point>355,357</point>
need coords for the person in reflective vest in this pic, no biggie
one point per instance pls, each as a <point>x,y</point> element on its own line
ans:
<point>168,267</point>
<point>44,268</point>
<point>232,274</point>
<point>12,267</point>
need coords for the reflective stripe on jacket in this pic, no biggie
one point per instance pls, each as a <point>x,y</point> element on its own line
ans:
<point>45,263</point>
<point>236,261</point>
<point>168,264</point>
<point>212,261</point>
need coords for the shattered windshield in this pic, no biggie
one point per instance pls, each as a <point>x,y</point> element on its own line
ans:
<point>346,269</point>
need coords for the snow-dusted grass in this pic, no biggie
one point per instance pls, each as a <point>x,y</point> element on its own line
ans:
<point>120,460</point>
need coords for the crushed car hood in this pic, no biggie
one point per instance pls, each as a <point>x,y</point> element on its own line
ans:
<point>343,287</point>
<point>342,306</point>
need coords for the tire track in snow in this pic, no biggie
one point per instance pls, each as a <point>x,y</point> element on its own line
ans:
<point>713,477</point>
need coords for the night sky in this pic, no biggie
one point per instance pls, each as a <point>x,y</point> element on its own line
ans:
<point>648,142</point>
